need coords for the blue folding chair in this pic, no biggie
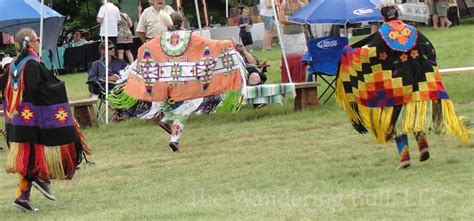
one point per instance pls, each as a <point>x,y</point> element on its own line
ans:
<point>323,57</point>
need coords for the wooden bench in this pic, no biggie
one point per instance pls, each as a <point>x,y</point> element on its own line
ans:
<point>306,95</point>
<point>84,112</point>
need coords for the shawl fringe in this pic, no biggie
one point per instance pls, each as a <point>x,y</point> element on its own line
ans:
<point>416,116</point>
<point>58,162</point>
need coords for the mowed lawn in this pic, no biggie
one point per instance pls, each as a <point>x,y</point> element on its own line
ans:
<point>267,164</point>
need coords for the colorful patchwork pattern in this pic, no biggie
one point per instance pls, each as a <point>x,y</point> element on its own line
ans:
<point>368,84</point>
<point>402,147</point>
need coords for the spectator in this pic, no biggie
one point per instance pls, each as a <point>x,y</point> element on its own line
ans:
<point>125,37</point>
<point>267,14</point>
<point>294,42</point>
<point>142,5</point>
<point>96,74</point>
<point>350,28</point>
<point>245,23</point>
<point>77,40</point>
<point>439,10</point>
<point>149,24</point>
<point>113,17</point>
<point>252,65</point>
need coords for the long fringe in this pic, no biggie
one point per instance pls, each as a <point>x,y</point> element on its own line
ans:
<point>54,161</point>
<point>417,116</point>
<point>231,103</point>
<point>58,162</point>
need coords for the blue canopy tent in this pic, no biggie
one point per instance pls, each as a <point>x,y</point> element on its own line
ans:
<point>18,14</point>
<point>338,12</point>
<point>328,49</point>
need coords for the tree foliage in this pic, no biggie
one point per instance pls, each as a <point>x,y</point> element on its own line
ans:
<point>81,14</point>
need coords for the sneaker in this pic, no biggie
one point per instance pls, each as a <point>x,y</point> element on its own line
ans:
<point>174,146</point>
<point>24,206</point>
<point>165,127</point>
<point>43,187</point>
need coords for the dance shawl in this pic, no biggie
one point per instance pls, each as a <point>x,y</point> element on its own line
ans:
<point>389,83</point>
<point>182,65</point>
<point>42,136</point>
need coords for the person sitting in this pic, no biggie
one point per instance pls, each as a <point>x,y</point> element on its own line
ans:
<point>96,74</point>
<point>256,70</point>
<point>77,40</point>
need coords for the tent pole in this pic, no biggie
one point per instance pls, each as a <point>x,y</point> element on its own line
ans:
<point>41,30</point>
<point>227,8</point>
<point>106,63</point>
<point>345,30</point>
<point>198,16</point>
<point>204,9</point>
<point>281,42</point>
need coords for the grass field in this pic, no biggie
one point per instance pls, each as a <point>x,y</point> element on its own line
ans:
<point>267,164</point>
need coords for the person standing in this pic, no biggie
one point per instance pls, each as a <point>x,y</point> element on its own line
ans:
<point>439,11</point>
<point>112,19</point>
<point>43,139</point>
<point>149,25</point>
<point>293,40</point>
<point>390,85</point>
<point>125,37</point>
<point>245,23</point>
<point>267,15</point>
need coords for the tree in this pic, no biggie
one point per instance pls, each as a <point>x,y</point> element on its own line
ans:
<point>80,14</point>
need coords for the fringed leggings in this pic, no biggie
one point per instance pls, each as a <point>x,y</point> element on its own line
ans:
<point>176,115</point>
<point>402,145</point>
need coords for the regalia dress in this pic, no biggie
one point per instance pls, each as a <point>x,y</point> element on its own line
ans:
<point>389,84</point>
<point>43,139</point>
<point>179,69</point>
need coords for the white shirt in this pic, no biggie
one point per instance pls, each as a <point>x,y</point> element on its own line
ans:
<point>264,11</point>
<point>113,17</point>
<point>150,23</point>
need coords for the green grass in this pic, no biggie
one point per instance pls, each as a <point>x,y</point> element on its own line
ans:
<point>266,164</point>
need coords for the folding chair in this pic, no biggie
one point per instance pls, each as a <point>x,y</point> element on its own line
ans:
<point>97,89</point>
<point>323,57</point>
